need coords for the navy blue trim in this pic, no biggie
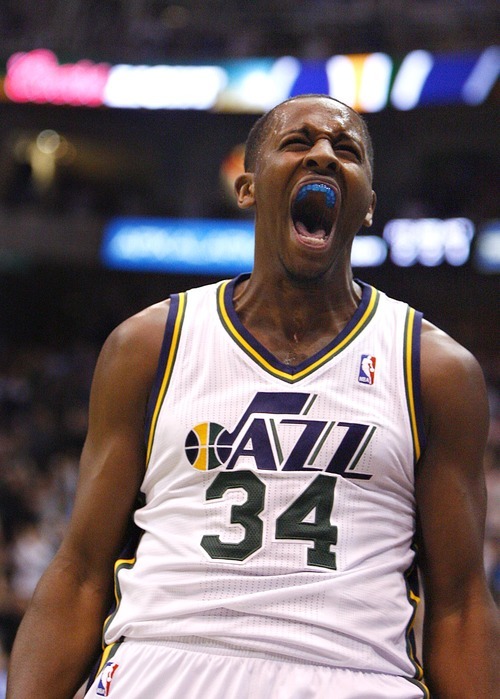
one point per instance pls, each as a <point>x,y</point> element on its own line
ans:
<point>266,354</point>
<point>417,383</point>
<point>162,362</point>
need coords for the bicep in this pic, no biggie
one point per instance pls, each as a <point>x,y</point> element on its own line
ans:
<point>450,486</point>
<point>113,458</point>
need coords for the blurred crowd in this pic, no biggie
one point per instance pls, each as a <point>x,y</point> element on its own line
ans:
<point>43,419</point>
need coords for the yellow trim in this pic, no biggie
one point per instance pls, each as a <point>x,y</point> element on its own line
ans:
<point>168,372</point>
<point>414,599</point>
<point>309,369</point>
<point>105,656</point>
<point>107,649</point>
<point>118,564</point>
<point>420,670</point>
<point>409,381</point>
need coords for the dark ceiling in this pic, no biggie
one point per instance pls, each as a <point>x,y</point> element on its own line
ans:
<point>158,30</point>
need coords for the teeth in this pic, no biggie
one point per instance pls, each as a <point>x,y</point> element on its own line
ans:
<point>329,193</point>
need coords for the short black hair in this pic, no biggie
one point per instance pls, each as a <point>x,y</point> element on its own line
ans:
<point>259,130</point>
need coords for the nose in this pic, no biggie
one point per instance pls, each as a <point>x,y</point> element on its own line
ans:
<point>321,155</point>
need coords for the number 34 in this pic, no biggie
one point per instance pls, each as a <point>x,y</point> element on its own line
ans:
<point>291,524</point>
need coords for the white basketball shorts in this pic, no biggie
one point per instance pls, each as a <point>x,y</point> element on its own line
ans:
<point>159,670</point>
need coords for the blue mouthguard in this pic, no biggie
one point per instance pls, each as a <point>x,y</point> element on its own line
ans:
<point>318,187</point>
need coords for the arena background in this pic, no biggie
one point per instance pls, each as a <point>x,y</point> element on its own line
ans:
<point>58,300</point>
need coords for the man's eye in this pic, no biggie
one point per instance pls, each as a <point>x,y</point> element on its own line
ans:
<point>351,150</point>
<point>295,141</point>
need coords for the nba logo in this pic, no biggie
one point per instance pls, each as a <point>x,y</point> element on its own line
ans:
<point>367,369</point>
<point>105,679</point>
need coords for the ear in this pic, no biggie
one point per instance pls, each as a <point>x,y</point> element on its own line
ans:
<point>244,186</point>
<point>369,214</point>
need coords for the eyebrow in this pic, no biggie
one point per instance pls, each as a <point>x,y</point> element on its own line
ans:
<point>302,130</point>
<point>307,131</point>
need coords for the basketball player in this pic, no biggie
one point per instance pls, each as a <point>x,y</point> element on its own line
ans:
<point>308,441</point>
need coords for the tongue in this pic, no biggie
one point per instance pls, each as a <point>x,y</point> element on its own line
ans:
<point>302,229</point>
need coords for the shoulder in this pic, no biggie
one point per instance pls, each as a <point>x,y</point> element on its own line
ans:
<point>143,329</point>
<point>452,382</point>
<point>132,350</point>
<point>446,362</point>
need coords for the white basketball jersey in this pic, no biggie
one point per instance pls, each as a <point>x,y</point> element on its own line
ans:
<point>279,507</point>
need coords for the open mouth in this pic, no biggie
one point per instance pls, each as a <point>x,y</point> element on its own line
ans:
<point>313,212</point>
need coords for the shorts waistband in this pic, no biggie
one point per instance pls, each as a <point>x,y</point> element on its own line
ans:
<point>207,645</point>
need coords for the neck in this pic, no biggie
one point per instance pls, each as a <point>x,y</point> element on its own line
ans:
<point>294,318</point>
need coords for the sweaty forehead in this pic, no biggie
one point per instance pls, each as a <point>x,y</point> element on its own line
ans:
<point>316,114</point>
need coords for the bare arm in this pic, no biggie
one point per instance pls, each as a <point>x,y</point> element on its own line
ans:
<point>60,632</point>
<point>461,623</point>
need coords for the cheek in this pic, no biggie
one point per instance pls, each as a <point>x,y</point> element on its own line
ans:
<point>268,189</point>
<point>361,190</point>
<point>357,207</point>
